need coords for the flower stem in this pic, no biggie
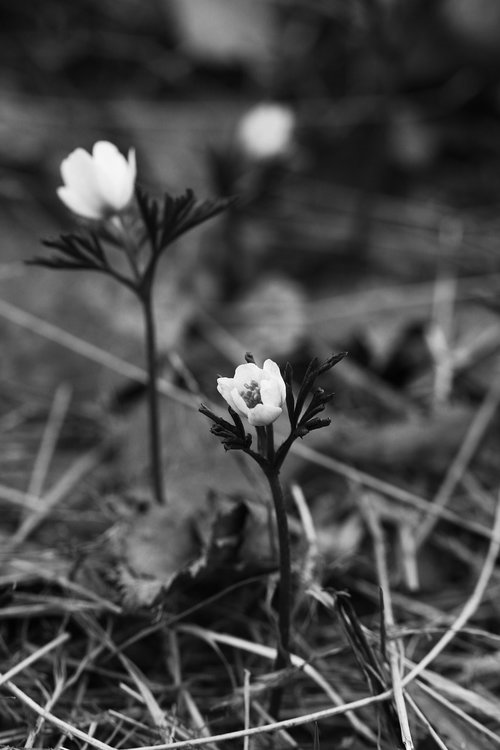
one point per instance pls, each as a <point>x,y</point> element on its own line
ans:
<point>153,405</point>
<point>129,247</point>
<point>285,585</point>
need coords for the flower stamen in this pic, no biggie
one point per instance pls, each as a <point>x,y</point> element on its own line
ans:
<point>251,394</point>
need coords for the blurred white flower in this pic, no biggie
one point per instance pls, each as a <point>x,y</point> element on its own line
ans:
<point>265,132</point>
<point>100,185</point>
<point>256,393</point>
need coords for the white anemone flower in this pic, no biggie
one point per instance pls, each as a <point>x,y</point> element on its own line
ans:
<point>265,132</point>
<point>257,393</point>
<point>98,185</point>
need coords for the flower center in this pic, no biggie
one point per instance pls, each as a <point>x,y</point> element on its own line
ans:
<point>251,394</point>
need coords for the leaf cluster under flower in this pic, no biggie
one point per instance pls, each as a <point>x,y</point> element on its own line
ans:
<point>168,218</point>
<point>74,251</point>
<point>156,223</point>
<point>303,418</point>
<point>232,436</point>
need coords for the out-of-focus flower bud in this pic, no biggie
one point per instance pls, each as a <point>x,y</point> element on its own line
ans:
<point>266,131</point>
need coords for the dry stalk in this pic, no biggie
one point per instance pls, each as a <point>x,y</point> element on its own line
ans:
<point>395,650</point>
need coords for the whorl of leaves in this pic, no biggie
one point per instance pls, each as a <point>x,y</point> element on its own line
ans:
<point>74,251</point>
<point>168,218</point>
<point>232,436</point>
<point>305,421</point>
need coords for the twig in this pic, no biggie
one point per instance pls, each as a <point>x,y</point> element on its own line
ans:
<point>478,703</point>
<point>175,727</point>
<point>394,657</point>
<point>311,557</point>
<point>388,489</point>
<point>19,498</point>
<point>63,725</point>
<point>92,727</point>
<point>406,534</point>
<point>155,711</point>
<point>75,473</point>
<point>390,298</point>
<point>327,713</point>
<point>273,727</point>
<point>469,445</point>
<point>184,694</point>
<point>425,721</point>
<point>246,703</point>
<point>439,337</point>
<point>451,706</point>
<point>268,652</point>
<point>259,709</point>
<point>470,606</point>
<point>90,351</point>
<point>6,676</point>
<point>49,704</point>
<point>55,420</point>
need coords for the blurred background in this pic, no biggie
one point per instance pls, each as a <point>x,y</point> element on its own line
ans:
<point>389,178</point>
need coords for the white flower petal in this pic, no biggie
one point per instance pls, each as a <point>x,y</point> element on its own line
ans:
<point>113,175</point>
<point>262,415</point>
<point>98,185</point>
<point>132,164</point>
<point>270,393</point>
<point>250,384</point>
<point>272,369</point>
<point>246,373</point>
<point>225,386</point>
<point>77,167</point>
<point>239,404</point>
<point>105,155</point>
<point>75,203</point>
<point>78,174</point>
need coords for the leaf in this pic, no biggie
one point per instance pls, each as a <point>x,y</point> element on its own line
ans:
<point>203,486</point>
<point>169,218</point>
<point>73,251</point>
<point>169,554</point>
<point>135,592</point>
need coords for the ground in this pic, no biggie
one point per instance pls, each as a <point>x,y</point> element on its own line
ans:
<point>128,625</point>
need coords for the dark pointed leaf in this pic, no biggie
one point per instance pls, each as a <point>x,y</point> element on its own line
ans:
<point>317,424</point>
<point>290,401</point>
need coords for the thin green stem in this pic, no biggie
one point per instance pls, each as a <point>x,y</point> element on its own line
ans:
<point>270,443</point>
<point>285,585</point>
<point>153,401</point>
<point>145,295</point>
<point>129,247</point>
<point>261,441</point>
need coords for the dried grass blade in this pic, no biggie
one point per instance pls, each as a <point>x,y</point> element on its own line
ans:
<point>470,605</point>
<point>269,652</point>
<point>29,660</point>
<point>55,420</point>
<point>394,649</point>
